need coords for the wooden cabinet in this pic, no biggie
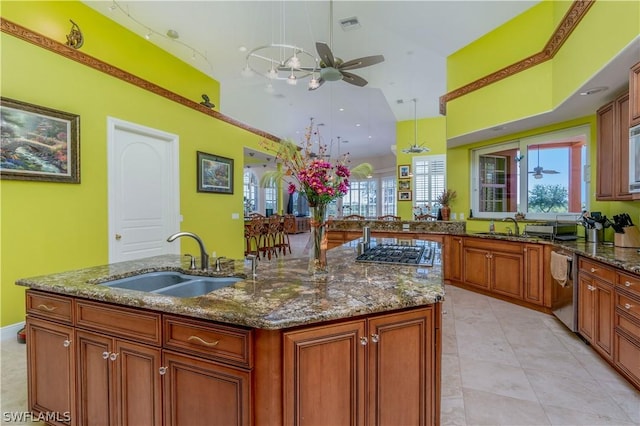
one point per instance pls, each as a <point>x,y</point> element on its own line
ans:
<point>453,259</point>
<point>634,95</point>
<point>613,150</point>
<point>534,274</point>
<point>51,370</point>
<point>627,326</point>
<point>596,305</point>
<point>371,371</point>
<point>494,265</point>
<point>203,392</point>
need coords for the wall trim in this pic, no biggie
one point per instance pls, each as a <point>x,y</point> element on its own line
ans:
<point>9,332</point>
<point>569,22</point>
<point>54,46</point>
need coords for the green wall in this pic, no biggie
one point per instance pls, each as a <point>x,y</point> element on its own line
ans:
<point>53,227</point>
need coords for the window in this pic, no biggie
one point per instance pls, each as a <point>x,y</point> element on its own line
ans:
<point>271,197</point>
<point>389,188</point>
<point>429,174</point>
<point>250,191</point>
<point>541,176</point>
<point>361,198</point>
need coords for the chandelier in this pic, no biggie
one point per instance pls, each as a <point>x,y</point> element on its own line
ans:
<point>287,62</point>
<point>415,148</point>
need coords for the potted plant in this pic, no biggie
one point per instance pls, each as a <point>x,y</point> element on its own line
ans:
<point>444,200</point>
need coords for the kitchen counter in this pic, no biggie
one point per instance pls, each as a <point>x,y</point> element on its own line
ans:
<point>404,226</point>
<point>283,295</point>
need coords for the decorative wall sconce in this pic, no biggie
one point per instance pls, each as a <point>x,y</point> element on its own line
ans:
<point>75,38</point>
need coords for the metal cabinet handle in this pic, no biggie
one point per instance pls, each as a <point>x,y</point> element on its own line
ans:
<point>113,357</point>
<point>375,338</point>
<point>105,355</point>
<point>66,343</point>
<point>364,341</point>
<point>627,284</point>
<point>47,308</point>
<point>163,370</point>
<point>204,342</point>
<point>594,269</point>
<point>591,288</point>
<point>627,306</point>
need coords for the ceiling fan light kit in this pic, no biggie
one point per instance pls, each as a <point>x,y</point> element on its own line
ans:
<point>538,171</point>
<point>415,148</point>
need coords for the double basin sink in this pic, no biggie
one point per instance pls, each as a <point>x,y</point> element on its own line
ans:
<point>170,283</point>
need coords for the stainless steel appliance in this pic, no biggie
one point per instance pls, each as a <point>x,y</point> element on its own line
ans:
<point>634,159</point>
<point>417,255</point>
<point>564,297</point>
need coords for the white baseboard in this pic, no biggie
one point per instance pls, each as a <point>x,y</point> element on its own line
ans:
<point>10,331</point>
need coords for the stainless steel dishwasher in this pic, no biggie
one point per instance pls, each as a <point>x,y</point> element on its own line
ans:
<point>564,297</point>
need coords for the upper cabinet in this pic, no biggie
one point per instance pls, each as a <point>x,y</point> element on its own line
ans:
<point>613,150</point>
<point>634,95</point>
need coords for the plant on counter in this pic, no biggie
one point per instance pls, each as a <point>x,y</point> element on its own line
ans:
<point>318,178</point>
<point>446,197</point>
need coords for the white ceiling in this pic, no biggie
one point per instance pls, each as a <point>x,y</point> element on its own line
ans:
<point>415,38</point>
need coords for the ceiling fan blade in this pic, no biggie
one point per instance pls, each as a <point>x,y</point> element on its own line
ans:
<point>361,62</point>
<point>325,54</point>
<point>354,79</point>
<point>320,83</point>
<point>551,172</point>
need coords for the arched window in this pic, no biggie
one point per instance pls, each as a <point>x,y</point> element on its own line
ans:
<point>250,191</point>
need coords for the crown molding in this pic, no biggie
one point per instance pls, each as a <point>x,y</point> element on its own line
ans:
<point>62,49</point>
<point>569,22</point>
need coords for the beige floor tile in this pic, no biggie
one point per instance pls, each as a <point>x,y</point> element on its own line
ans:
<point>452,412</point>
<point>569,417</point>
<point>489,409</point>
<point>496,378</point>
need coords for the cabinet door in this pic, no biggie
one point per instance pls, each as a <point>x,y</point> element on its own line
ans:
<point>324,375</point>
<point>605,152</point>
<point>453,259</point>
<point>506,273</point>
<point>476,267</point>
<point>401,364</point>
<point>534,274</point>
<point>51,370</point>
<point>205,393</point>
<point>586,304</point>
<point>622,149</point>
<point>634,93</point>
<point>138,390</point>
<point>95,380</point>
<point>604,305</point>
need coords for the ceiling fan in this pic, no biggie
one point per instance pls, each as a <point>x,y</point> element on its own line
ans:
<point>333,68</point>
<point>415,148</point>
<point>538,170</point>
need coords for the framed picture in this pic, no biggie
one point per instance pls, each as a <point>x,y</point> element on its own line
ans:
<point>215,174</point>
<point>404,171</point>
<point>404,185</point>
<point>38,143</point>
<point>404,195</point>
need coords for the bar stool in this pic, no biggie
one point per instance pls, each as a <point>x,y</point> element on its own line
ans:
<point>287,226</point>
<point>353,217</point>
<point>388,217</point>
<point>252,235</point>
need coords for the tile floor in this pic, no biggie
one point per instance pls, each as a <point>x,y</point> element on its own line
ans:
<point>501,365</point>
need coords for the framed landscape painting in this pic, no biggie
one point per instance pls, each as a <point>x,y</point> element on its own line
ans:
<point>215,174</point>
<point>404,195</point>
<point>38,143</point>
<point>404,171</point>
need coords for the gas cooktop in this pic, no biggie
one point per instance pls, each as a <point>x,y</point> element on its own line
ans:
<point>398,254</point>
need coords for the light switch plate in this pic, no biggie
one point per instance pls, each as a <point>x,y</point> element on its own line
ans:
<point>235,215</point>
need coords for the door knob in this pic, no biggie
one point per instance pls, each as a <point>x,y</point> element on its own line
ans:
<point>118,237</point>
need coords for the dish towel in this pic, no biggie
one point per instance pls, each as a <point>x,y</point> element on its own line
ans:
<point>560,268</point>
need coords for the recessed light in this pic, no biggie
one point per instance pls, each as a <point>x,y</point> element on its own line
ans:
<point>340,109</point>
<point>357,124</point>
<point>592,90</point>
<point>242,48</point>
<point>173,34</point>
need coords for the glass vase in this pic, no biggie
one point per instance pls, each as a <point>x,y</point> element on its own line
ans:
<point>318,240</point>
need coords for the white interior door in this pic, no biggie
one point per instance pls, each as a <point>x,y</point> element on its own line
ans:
<point>144,199</point>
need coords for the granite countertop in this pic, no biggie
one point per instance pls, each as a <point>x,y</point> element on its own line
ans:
<point>283,295</point>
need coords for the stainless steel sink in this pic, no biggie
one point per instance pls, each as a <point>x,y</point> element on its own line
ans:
<point>173,283</point>
<point>151,281</point>
<point>198,287</point>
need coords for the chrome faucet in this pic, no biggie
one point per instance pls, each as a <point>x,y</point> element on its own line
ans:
<point>204,257</point>
<point>218,267</point>
<point>254,265</point>
<point>515,223</point>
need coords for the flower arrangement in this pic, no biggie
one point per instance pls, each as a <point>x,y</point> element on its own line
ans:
<point>320,180</point>
<point>446,197</point>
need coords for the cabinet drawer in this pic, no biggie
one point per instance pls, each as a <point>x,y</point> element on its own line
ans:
<point>119,321</point>
<point>628,304</point>
<point>597,270</point>
<point>628,326</point>
<point>629,282</point>
<point>627,358</point>
<point>54,307</point>
<point>210,340</point>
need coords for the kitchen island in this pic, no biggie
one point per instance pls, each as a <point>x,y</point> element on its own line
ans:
<point>359,346</point>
